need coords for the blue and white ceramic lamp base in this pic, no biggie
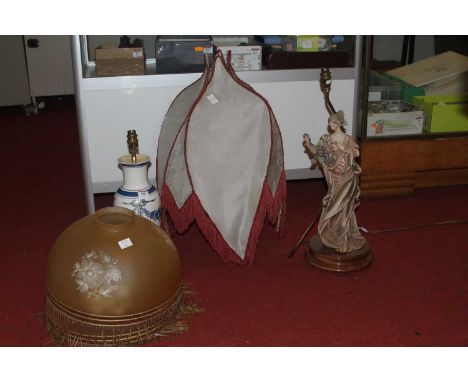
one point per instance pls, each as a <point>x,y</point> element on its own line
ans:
<point>137,193</point>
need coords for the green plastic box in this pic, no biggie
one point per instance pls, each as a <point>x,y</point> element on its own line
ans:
<point>444,114</point>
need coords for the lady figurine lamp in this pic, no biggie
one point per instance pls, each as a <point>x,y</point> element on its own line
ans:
<point>338,245</point>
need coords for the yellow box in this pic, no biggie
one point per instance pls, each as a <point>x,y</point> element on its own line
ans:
<point>444,114</point>
<point>306,43</point>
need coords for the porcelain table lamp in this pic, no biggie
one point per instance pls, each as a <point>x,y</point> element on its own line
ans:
<point>137,193</point>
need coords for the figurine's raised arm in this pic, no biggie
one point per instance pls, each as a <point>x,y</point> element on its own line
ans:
<point>310,148</point>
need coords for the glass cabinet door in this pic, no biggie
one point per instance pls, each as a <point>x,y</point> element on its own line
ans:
<point>404,86</point>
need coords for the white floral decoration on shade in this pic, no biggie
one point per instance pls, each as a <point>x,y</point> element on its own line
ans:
<point>97,274</point>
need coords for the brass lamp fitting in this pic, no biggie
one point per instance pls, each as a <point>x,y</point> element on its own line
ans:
<point>132,143</point>
<point>325,86</point>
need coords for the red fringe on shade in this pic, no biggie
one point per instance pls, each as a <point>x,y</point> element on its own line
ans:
<point>272,208</point>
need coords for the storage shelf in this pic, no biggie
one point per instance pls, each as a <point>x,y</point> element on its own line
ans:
<point>91,81</point>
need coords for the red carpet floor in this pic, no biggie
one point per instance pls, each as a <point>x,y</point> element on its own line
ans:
<point>414,293</point>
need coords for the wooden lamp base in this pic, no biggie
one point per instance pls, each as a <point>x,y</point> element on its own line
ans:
<point>328,259</point>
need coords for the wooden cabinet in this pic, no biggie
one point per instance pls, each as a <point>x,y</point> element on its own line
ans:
<point>398,167</point>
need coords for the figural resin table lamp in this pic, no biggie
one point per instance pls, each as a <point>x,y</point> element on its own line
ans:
<point>338,245</point>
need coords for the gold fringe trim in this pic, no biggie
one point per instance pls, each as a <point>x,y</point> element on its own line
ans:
<point>71,328</point>
<point>180,323</point>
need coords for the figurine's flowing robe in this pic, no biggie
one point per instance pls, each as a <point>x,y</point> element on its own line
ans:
<point>337,227</point>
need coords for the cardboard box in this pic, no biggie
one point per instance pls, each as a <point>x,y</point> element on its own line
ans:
<point>383,121</point>
<point>444,113</point>
<point>454,85</point>
<point>432,69</point>
<point>434,75</point>
<point>245,57</point>
<point>119,61</point>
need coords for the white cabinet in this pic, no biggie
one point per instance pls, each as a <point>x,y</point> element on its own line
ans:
<point>109,106</point>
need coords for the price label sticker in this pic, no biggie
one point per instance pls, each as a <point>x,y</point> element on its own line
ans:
<point>125,243</point>
<point>212,98</point>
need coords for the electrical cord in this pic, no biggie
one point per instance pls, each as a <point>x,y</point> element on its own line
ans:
<point>301,241</point>
<point>409,228</point>
<point>388,230</point>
